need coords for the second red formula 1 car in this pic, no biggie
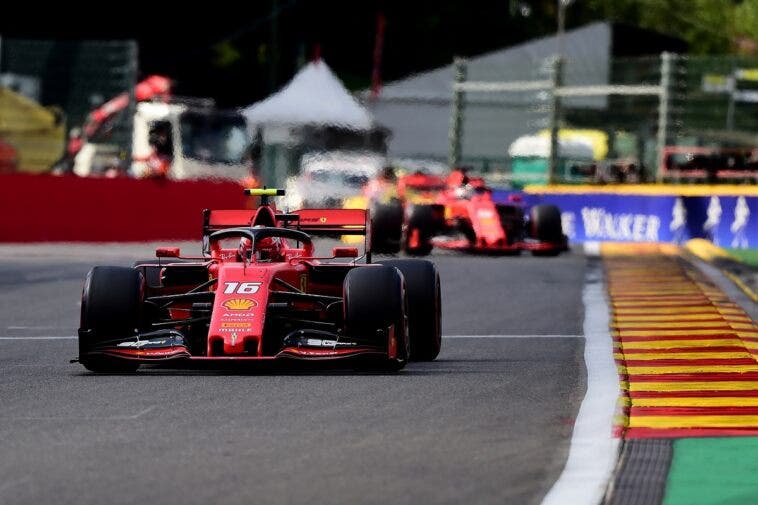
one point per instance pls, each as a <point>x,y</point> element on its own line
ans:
<point>462,215</point>
<point>259,292</point>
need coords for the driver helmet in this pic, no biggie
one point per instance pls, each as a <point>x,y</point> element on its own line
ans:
<point>266,249</point>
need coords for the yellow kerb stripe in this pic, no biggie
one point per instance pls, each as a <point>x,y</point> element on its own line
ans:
<point>693,422</point>
<point>653,292</point>
<point>679,324</point>
<point>625,285</point>
<point>675,344</point>
<point>673,333</point>
<point>744,326</point>
<point>662,370</point>
<point>657,311</point>
<point>693,386</point>
<point>616,281</point>
<point>706,309</point>
<point>662,304</point>
<point>679,317</point>
<point>652,356</point>
<point>720,401</point>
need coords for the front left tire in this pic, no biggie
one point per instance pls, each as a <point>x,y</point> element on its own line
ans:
<point>375,299</point>
<point>422,283</point>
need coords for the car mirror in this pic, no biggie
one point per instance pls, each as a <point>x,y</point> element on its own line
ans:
<point>345,252</point>
<point>167,252</point>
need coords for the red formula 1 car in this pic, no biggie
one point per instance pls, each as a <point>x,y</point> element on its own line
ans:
<point>260,293</point>
<point>461,215</point>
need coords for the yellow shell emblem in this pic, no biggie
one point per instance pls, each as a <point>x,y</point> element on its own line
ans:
<point>239,304</point>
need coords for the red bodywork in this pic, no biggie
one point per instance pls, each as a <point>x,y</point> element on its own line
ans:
<point>258,280</point>
<point>489,227</point>
<point>459,213</point>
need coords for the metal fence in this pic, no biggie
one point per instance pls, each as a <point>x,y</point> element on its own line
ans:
<point>660,118</point>
<point>48,87</point>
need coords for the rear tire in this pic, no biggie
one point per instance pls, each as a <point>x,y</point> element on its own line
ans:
<point>387,228</point>
<point>111,308</point>
<point>374,299</point>
<point>421,222</point>
<point>422,283</point>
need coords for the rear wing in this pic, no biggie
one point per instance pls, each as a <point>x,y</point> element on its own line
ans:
<point>313,221</point>
<point>332,221</point>
<point>329,222</point>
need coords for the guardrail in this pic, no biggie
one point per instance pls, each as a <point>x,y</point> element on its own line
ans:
<point>703,163</point>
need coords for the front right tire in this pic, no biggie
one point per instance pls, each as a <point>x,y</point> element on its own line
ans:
<point>111,309</point>
<point>545,225</point>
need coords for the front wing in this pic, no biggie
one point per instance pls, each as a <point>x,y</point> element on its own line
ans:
<point>502,247</point>
<point>171,345</point>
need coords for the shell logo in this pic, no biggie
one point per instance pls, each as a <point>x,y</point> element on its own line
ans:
<point>322,219</point>
<point>239,304</point>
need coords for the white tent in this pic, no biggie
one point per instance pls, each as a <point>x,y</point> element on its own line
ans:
<point>315,96</point>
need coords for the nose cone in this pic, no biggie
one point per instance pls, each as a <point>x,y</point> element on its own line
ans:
<point>239,310</point>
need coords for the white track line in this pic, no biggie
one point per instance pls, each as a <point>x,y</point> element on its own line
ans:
<point>80,418</point>
<point>34,328</point>
<point>592,248</point>
<point>61,337</point>
<point>594,451</point>
<point>512,336</point>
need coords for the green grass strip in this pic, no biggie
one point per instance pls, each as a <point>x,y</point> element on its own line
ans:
<point>747,256</point>
<point>713,471</point>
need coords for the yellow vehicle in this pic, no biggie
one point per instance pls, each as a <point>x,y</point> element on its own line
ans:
<point>36,133</point>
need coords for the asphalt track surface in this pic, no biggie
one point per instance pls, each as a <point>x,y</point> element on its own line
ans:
<point>489,422</point>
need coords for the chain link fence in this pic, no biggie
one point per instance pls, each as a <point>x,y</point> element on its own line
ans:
<point>49,87</point>
<point>658,118</point>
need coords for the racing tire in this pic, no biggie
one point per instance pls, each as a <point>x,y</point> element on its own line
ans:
<point>387,228</point>
<point>375,298</point>
<point>422,222</point>
<point>111,308</point>
<point>545,225</point>
<point>422,284</point>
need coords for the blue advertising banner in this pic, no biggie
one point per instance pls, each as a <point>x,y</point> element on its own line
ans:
<point>728,221</point>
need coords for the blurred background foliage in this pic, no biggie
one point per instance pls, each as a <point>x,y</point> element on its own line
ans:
<point>239,53</point>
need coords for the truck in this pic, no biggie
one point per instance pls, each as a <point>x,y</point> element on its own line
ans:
<point>177,138</point>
